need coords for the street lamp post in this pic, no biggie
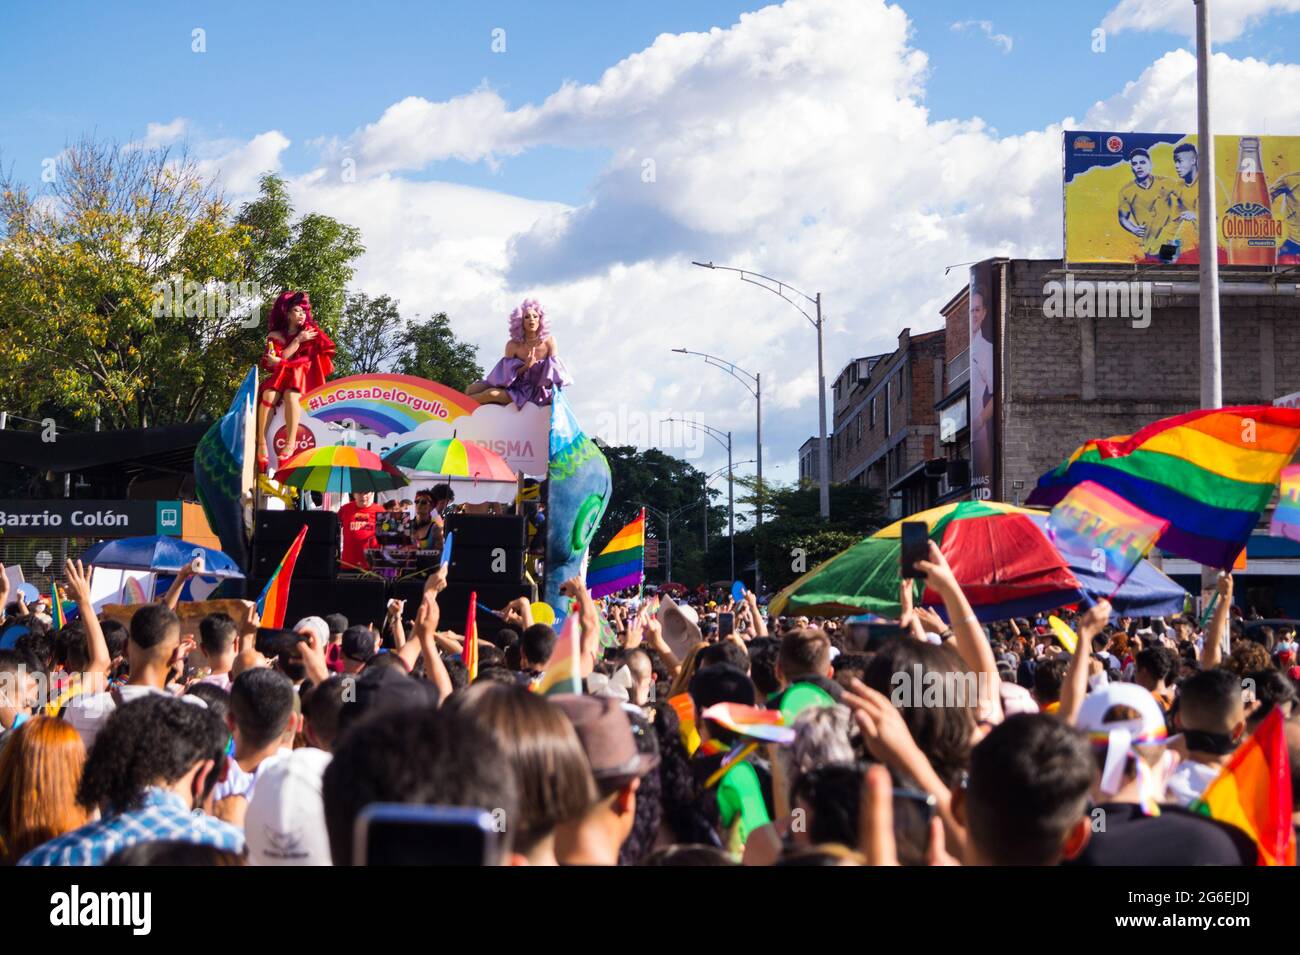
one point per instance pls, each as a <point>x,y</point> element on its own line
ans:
<point>716,435</point>
<point>668,527</point>
<point>731,506</point>
<point>767,282</point>
<point>754,383</point>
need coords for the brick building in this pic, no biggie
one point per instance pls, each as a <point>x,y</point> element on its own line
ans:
<point>886,426</point>
<point>810,472</point>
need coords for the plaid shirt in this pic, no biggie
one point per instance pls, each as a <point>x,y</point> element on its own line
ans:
<point>164,816</point>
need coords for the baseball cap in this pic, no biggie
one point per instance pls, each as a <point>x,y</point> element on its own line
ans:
<point>1120,736</point>
<point>285,820</point>
<point>359,644</point>
<point>336,622</point>
<point>606,735</point>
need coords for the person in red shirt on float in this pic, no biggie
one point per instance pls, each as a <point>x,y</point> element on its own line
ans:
<point>358,520</point>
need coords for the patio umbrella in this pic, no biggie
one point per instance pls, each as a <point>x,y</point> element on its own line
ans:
<point>451,457</point>
<point>165,555</point>
<point>999,554</point>
<point>339,469</point>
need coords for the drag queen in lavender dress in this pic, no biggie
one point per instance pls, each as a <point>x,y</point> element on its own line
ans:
<point>531,369</point>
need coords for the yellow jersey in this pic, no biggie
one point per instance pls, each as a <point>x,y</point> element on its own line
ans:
<point>1183,197</point>
<point>1148,206</point>
<point>1287,206</point>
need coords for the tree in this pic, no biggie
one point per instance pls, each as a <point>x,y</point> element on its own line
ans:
<point>369,335</point>
<point>794,538</point>
<point>314,254</point>
<point>431,350</point>
<point>675,487</point>
<point>116,289</point>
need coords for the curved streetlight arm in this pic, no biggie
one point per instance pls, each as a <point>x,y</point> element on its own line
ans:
<point>713,433</point>
<point>761,280</point>
<point>748,379</point>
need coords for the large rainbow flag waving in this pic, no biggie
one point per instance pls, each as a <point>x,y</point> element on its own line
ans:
<point>274,601</point>
<point>1253,792</point>
<point>622,562</point>
<point>1210,473</point>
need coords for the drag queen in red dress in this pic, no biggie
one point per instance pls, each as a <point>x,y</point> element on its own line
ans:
<point>297,359</point>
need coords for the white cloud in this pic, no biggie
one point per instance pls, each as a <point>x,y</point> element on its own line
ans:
<point>161,134</point>
<point>240,165</point>
<point>777,147</point>
<point>1229,19</point>
<point>986,27</point>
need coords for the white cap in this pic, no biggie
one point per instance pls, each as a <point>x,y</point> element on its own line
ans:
<point>285,821</point>
<point>316,625</point>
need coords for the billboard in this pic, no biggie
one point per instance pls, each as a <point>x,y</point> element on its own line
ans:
<point>1132,197</point>
<point>983,379</point>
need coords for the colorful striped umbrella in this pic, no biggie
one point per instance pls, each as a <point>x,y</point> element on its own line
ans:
<point>999,553</point>
<point>339,469</point>
<point>451,457</point>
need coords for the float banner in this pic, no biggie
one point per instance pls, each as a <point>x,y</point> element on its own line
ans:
<point>1132,197</point>
<point>100,519</point>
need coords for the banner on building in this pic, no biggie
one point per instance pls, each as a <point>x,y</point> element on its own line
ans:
<point>1132,197</point>
<point>983,379</point>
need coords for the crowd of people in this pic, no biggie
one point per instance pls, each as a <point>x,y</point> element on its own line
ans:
<point>938,741</point>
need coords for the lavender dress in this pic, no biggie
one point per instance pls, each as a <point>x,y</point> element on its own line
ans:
<point>537,384</point>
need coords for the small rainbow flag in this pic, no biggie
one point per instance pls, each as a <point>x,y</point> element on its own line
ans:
<point>622,563</point>
<point>1286,516</point>
<point>563,673</point>
<point>273,603</point>
<point>751,722</point>
<point>1253,793</point>
<point>1210,473</point>
<point>1103,531</point>
<point>56,607</point>
<point>469,653</point>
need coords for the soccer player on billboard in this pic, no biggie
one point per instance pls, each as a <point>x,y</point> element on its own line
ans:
<point>1144,205</point>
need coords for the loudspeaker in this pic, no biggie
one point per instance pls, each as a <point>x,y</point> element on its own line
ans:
<point>274,531</point>
<point>490,565</point>
<point>486,530</point>
<point>362,600</point>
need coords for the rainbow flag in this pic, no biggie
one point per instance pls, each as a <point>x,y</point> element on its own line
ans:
<point>469,653</point>
<point>56,607</point>
<point>1103,531</point>
<point>1210,473</point>
<point>751,722</point>
<point>1286,516</point>
<point>273,603</point>
<point>563,673</point>
<point>622,563</point>
<point>1253,792</point>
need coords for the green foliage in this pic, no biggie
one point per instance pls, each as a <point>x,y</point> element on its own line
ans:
<point>431,350</point>
<point>794,538</point>
<point>369,335</point>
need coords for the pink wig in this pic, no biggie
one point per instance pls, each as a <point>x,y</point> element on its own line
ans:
<point>279,321</point>
<point>517,320</point>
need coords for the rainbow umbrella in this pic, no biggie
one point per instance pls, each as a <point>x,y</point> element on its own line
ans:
<point>1000,555</point>
<point>339,469</point>
<point>451,457</point>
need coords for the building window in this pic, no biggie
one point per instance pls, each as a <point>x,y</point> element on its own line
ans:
<point>888,419</point>
<point>871,422</point>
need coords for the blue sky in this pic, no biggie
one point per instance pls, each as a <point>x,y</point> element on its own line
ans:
<point>324,69</point>
<point>771,143</point>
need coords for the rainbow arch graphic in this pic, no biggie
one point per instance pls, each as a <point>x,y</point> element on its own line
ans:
<point>386,404</point>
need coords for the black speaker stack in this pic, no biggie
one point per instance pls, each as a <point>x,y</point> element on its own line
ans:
<point>487,560</point>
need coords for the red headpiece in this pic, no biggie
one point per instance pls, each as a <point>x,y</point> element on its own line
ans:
<point>279,321</point>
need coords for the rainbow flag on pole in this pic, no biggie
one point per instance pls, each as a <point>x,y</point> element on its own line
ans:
<point>274,601</point>
<point>622,563</point>
<point>1253,792</point>
<point>469,653</point>
<point>563,672</point>
<point>1103,531</point>
<point>56,607</point>
<point>1210,473</point>
<point>1286,516</point>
